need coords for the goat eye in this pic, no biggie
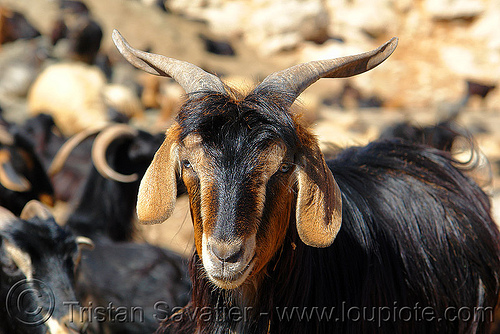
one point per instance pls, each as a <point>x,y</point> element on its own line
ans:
<point>285,168</point>
<point>186,163</point>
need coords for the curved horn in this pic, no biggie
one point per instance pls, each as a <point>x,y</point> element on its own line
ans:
<point>191,78</point>
<point>101,143</point>
<point>294,80</point>
<point>35,209</point>
<point>84,242</point>
<point>65,150</point>
<point>9,178</point>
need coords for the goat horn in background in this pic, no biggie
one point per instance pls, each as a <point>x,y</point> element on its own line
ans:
<point>191,78</point>
<point>9,178</point>
<point>294,80</point>
<point>68,147</point>
<point>101,143</point>
<point>35,209</point>
<point>84,242</point>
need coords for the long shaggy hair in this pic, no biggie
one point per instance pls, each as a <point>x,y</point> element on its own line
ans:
<point>417,250</point>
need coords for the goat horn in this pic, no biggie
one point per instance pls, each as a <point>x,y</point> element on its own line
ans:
<point>191,78</point>
<point>294,80</point>
<point>85,242</point>
<point>101,143</point>
<point>9,178</point>
<point>68,147</point>
<point>35,209</point>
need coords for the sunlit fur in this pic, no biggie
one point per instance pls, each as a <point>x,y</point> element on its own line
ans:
<point>415,230</point>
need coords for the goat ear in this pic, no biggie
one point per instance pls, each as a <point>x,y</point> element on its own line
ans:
<point>35,209</point>
<point>158,188</point>
<point>319,201</point>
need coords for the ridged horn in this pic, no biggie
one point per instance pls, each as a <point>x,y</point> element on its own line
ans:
<point>35,209</point>
<point>101,143</point>
<point>68,147</point>
<point>191,78</point>
<point>294,80</point>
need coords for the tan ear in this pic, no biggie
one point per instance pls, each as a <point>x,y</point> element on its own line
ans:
<point>319,201</point>
<point>35,209</point>
<point>158,188</point>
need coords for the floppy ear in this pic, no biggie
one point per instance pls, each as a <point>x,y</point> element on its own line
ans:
<point>319,202</point>
<point>35,208</point>
<point>158,188</point>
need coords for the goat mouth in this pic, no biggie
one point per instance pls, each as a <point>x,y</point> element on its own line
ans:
<point>233,281</point>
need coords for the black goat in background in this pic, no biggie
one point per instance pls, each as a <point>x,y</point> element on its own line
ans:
<point>22,175</point>
<point>119,270</point>
<point>38,259</point>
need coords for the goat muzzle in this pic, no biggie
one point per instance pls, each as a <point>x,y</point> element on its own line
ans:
<point>228,263</point>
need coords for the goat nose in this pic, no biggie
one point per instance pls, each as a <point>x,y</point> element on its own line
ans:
<point>227,252</point>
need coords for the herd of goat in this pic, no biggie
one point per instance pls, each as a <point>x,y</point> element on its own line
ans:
<point>392,237</point>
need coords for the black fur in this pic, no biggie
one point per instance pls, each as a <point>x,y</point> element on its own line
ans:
<point>52,250</point>
<point>106,207</point>
<point>416,233</point>
<point>119,271</point>
<point>26,163</point>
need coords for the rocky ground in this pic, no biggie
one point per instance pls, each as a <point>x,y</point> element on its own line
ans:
<point>443,44</point>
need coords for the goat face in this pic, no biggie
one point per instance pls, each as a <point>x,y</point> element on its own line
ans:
<point>241,190</point>
<point>243,180</point>
<point>38,255</point>
<point>245,162</point>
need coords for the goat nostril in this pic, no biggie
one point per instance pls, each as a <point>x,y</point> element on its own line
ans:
<point>227,253</point>
<point>235,257</point>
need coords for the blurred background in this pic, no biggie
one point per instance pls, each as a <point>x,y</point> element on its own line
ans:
<point>446,67</point>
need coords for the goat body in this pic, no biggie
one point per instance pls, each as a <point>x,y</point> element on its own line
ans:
<point>119,272</point>
<point>23,177</point>
<point>267,211</point>
<point>37,260</point>
<point>416,233</point>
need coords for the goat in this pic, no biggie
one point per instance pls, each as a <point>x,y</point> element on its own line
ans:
<point>77,96</point>
<point>448,136</point>
<point>48,141</point>
<point>82,33</point>
<point>121,154</point>
<point>142,275</point>
<point>22,176</point>
<point>38,259</point>
<point>137,276</point>
<point>267,211</point>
